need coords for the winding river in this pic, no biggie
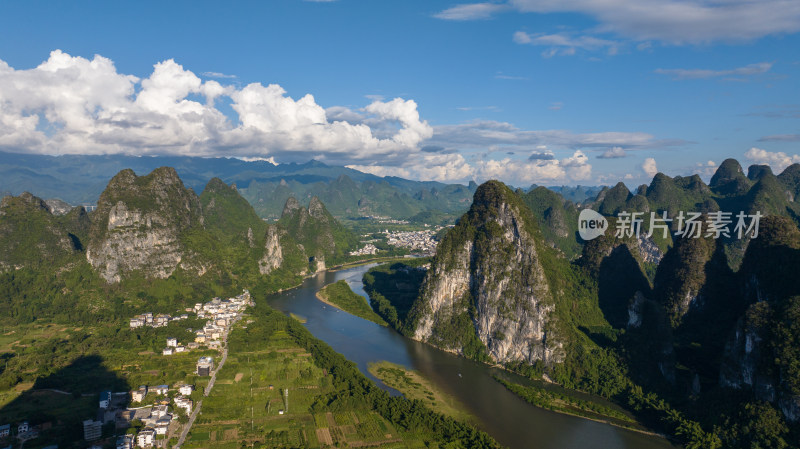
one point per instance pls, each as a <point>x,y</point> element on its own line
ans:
<point>510,420</point>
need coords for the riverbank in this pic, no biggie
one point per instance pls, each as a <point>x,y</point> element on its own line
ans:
<point>340,296</point>
<point>564,403</point>
<point>414,385</point>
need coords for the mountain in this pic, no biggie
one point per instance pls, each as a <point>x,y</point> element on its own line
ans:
<point>140,224</point>
<point>79,179</point>
<point>761,351</point>
<point>34,237</point>
<point>486,294</point>
<point>322,239</point>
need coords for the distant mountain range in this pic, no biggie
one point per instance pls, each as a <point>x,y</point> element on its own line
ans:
<point>79,180</point>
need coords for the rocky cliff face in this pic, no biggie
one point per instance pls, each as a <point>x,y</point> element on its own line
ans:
<point>487,280</point>
<point>139,223</point>
<point>273,252</point>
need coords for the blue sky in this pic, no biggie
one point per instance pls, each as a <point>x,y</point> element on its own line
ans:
<point>526,91</point>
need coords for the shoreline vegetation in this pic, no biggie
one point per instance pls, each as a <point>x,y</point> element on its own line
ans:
<point>566,404</point>
<point>413,385</point>
<point>340,295</point>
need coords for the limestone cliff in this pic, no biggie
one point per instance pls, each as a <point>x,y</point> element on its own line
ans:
<point>139,223</point>
<point>273,252</point>
<point>487,281</point>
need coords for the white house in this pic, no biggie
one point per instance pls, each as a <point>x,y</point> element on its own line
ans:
<point>180,349</point>
<point>168,351</point>
<point>146,438</point>
<point>161,389</point>
<point>23,427</point>
<point>5,430</point>
<point>173,342</point>
<point>186,390</point>
<point>162,425</point>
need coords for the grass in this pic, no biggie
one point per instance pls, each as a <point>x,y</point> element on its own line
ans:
<point>340,295</point>
<point>414,386</point>
<point>563,402</point>
<point>247,412</point>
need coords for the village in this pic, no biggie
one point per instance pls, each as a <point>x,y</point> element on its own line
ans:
<point>421,241</point>
<point>155,412</point>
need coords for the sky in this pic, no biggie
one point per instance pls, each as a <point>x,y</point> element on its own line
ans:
<point>546,92</point>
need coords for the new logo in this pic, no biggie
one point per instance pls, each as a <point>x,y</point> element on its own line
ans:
<point>591,224</point>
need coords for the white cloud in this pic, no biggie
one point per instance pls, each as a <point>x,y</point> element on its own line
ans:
<point>75,105</point>
<point>483,133</point>
<point>613,153</point>
<point>748,70</point>
<point>670,21</point>
<point>706,169</point>
<point>566,44</point>
<point>429,166</point>
<point>778,161</point>
<point>474,11</point>
<point>454,167</point>
<point>649,167</point>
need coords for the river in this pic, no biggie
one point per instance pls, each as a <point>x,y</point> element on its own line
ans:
<point>510,420</point>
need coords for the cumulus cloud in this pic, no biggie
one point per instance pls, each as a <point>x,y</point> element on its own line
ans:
<point>613,153</point>
<point>684,74</point>
<point>670,21</point>
<point>778,161</point>
<point>429,166</point>
<point>454,167</point>
<point>649,167</point>
<point>75,105</point>
<point>706,169</point>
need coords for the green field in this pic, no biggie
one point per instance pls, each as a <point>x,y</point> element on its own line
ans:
<point>246,403</point>
<point>414,386</point>
<point>341,296</point>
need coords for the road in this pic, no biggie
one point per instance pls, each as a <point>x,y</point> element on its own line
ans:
<point>206,392</point>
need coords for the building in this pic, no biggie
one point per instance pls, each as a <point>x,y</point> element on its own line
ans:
<point>186,390</point>
<point>159,411</point>
<point>138,395</point>
<point>92,430</point>
<point>168,351</point>
<point>162,425</point>
<point>173,342</point>
<point>5,430</point>
<point>146,438</point>
<point>180,349</point>
<point>184,403</point>
<point>204,366</point>
<point>136,322</point>
<point>105,399</point>
<point>23,427</point>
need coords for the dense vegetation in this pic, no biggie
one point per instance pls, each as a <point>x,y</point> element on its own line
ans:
<point>659,351</point>
<point>352,390</point>
<point>340,295</point>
